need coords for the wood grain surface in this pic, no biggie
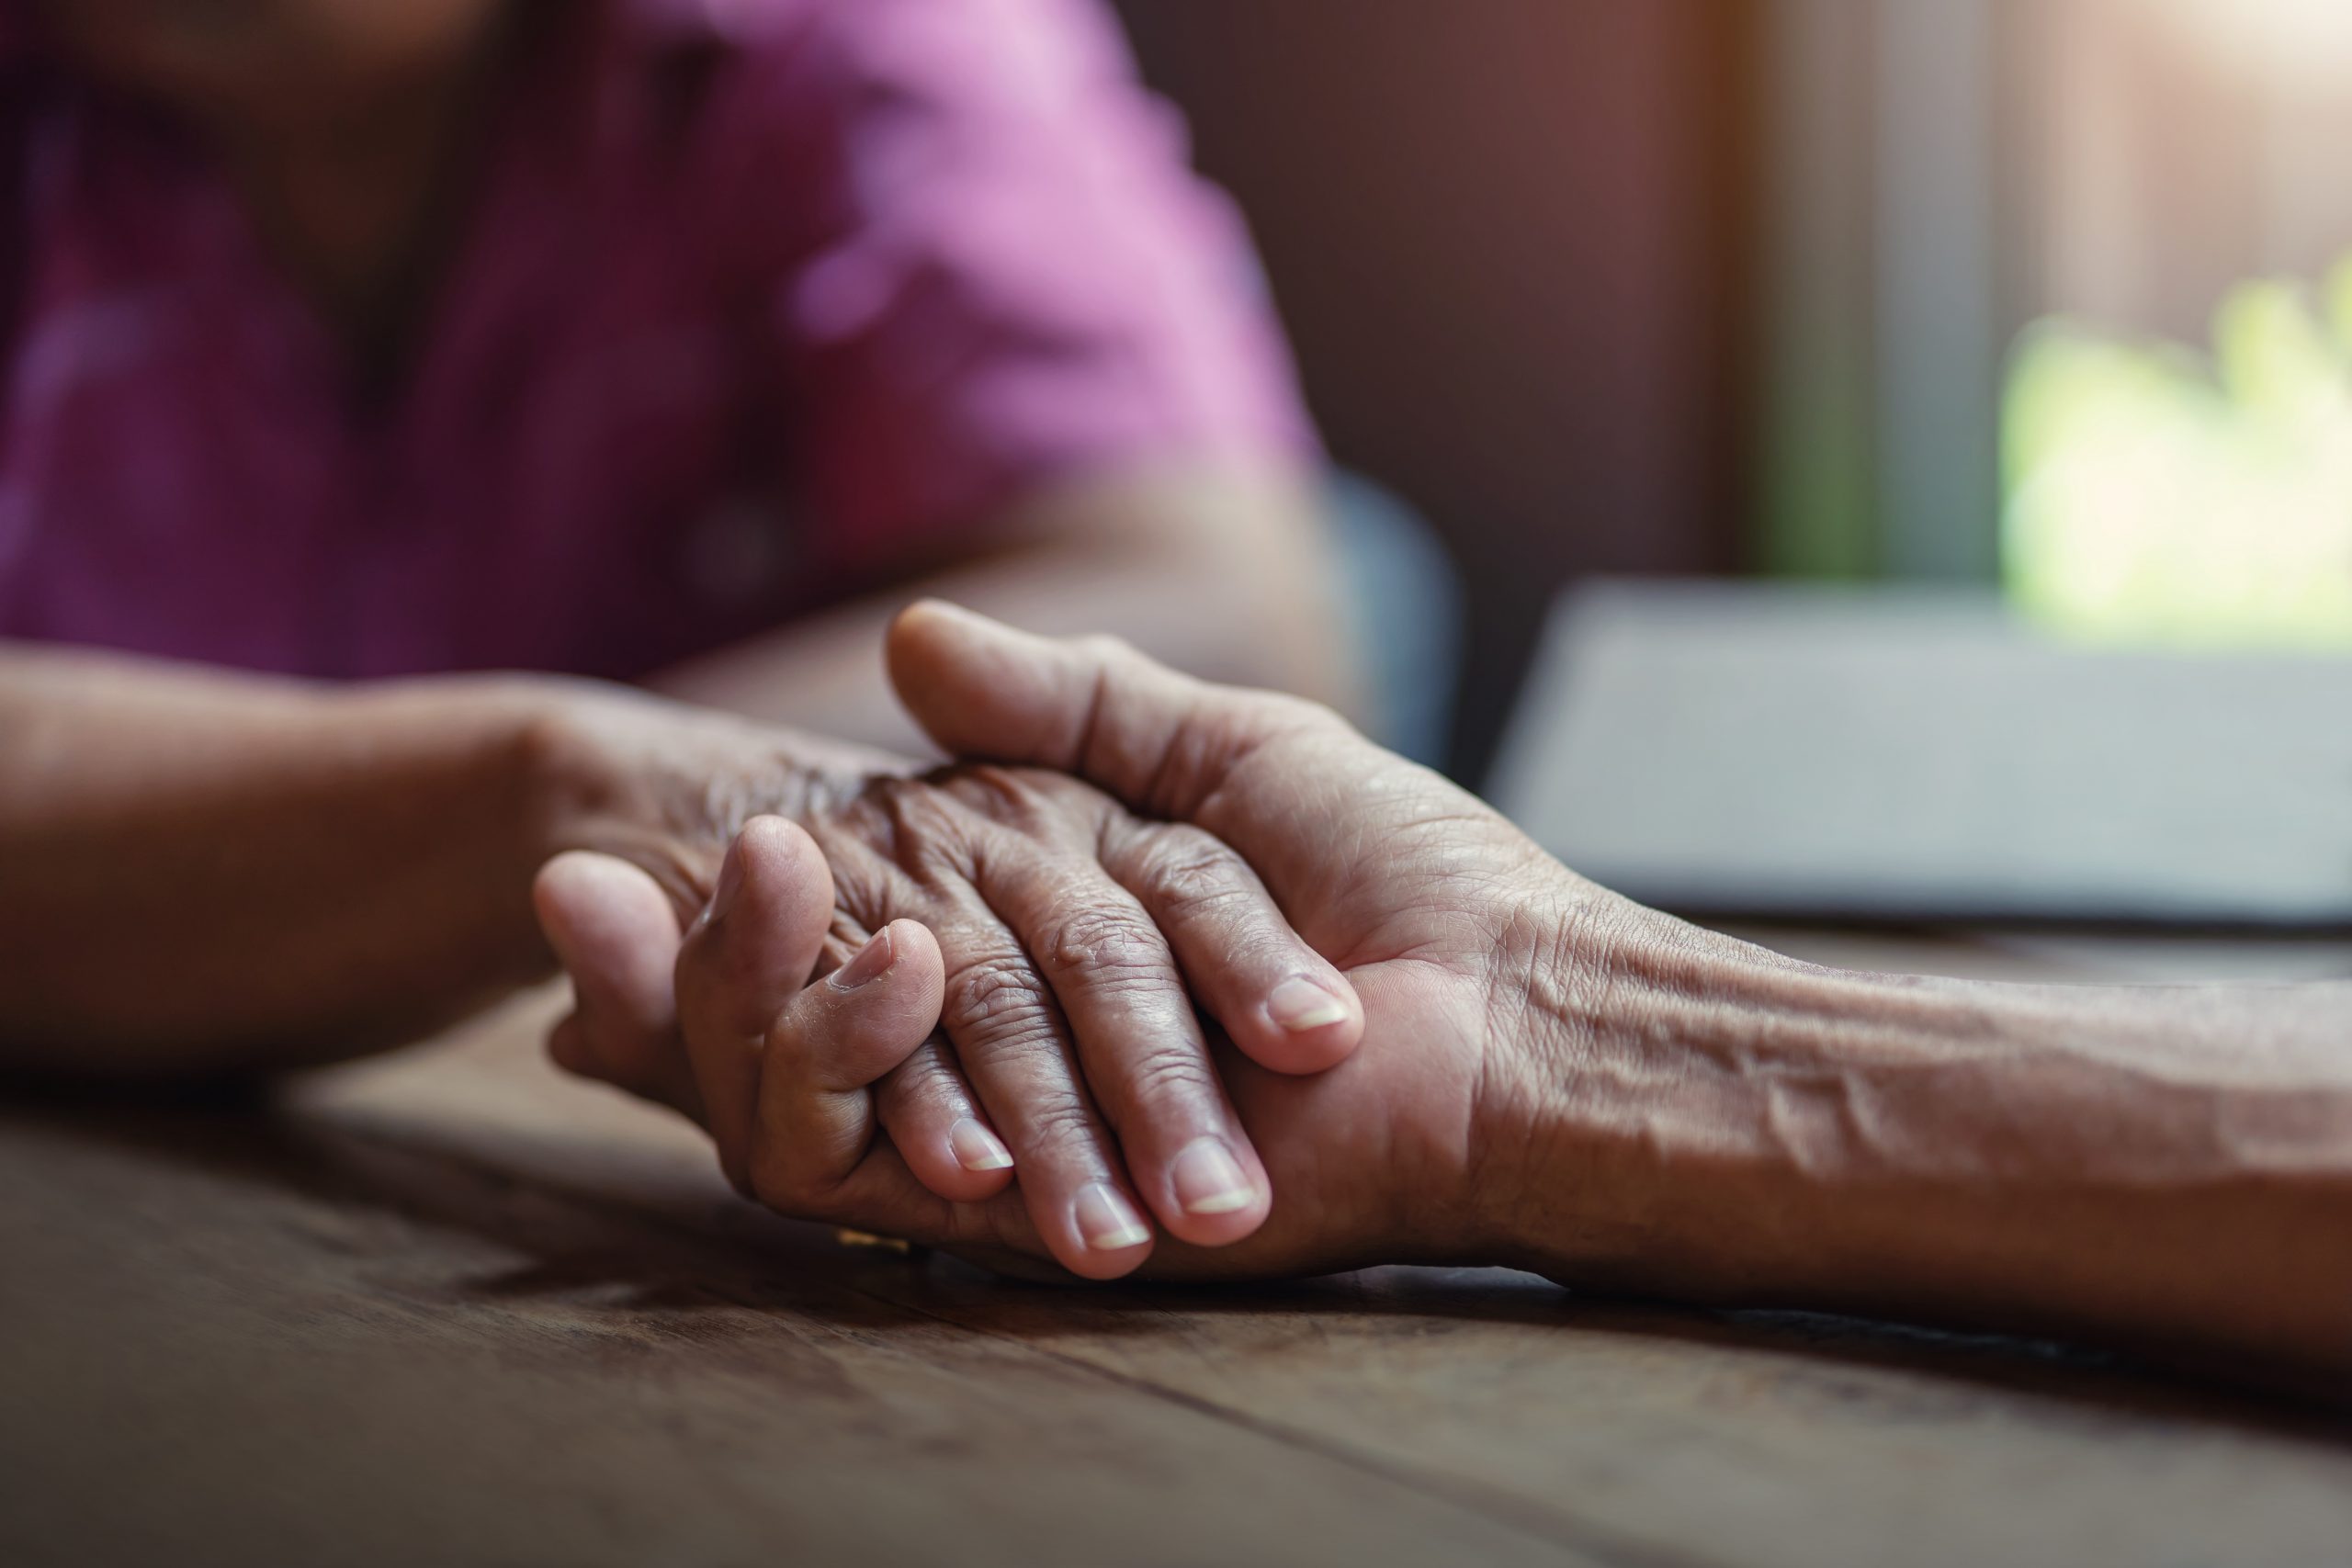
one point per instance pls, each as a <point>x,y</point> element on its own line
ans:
<point>449,1308</point>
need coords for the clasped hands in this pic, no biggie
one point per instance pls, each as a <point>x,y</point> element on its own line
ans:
<point>1197,981</point>
<point>1185,977</point>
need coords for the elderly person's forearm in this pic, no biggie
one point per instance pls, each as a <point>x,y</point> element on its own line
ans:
<point>1556,1076</point>
<point>2167,1166</point>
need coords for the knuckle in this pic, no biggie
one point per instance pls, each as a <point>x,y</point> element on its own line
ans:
<point>1058,1119</point>
<point>1103,941</point>
<point>1103,647</point>
<point>862,898</point>
<point>1026,811</point>
<point>1271,718</point>
<point>1168,1072</point>
<point>997,1001</point>
<point>924,1079</point>
<point>918,825</point>
<point>1304,713</point>
<point>1001,794</point>
<point>1188,873</point>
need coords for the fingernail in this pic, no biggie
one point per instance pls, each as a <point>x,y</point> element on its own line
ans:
<point>976,1148</point>
<point>1209,1180</point>
<point>872,962</point>
<point>1107,1221</point>
<point>731,882</point>
<point>1299,1004</point>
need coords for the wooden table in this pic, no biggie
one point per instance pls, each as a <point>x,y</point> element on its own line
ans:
<point>447,1308</point>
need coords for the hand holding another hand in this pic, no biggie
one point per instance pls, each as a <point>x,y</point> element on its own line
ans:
<point>838,1101</point>
<point>1011,966</point>
<point>1452,926</point>
<point>1548,1074</point>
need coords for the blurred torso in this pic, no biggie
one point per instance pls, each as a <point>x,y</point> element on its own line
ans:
<point>575,464</point>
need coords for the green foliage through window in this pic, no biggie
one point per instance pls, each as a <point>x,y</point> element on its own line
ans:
<point>2157,494</point>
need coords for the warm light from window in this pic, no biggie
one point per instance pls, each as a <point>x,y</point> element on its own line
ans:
<point>2157,495</point>
<point>2300,42</point>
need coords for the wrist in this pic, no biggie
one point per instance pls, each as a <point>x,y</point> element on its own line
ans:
<point>1709,1121</point>
<point>1670,1130</point>
<point>665,785</point>
<point>602,781</point>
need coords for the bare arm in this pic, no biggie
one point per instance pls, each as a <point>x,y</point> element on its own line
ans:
<point>204,871</point>
<point>1555,1077</point>
<point>1222,569</point>
<point>210,870</point>
<point>2167,1166</point>
<point>219,862</point>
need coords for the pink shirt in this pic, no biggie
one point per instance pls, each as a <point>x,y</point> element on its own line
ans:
<point>756,298</point>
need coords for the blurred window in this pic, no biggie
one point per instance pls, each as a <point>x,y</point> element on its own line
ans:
<point>2177,433</point>
<point>2053,289</point>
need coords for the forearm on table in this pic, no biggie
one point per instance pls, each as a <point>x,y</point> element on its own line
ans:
<point>2166,1166</point>
<point>1223,570</point>
<point>206,870</point>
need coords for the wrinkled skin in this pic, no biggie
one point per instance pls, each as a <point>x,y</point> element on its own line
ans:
<point>1553,1077</point>
<point>1063,939</point>
<point>1437,910</point>
<point>1440,915</point>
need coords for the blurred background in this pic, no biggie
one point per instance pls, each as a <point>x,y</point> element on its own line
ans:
<point>2041,291</point>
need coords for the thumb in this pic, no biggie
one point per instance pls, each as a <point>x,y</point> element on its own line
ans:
<point>1159,741</point>
<point>748,955</point>
<point>613,930</point>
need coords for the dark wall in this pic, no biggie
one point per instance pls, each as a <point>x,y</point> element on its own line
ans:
<point>1504,234</point>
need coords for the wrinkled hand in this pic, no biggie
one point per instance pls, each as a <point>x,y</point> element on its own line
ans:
<point>1482,964</point>
<point>1442,914</point>
<point>1058,943</point>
